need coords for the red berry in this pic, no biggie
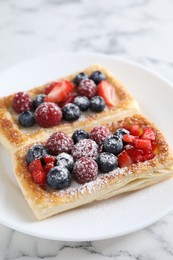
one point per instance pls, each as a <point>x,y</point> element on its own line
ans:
<point>50,86</point>
<point>60,91</point>
<point>99,134</point>
<point>21,102</point>
<point>69,99</point>
<point>124,159</point>
<point>35,165</point>
<point>85,170</point>
<point>59,142</point>
<point>135,129</point>
<point>49,159</point>
<point>87,88</point>
<point>48,114</point>
<point>147,157</point>
<point>39,177</point>
<point>48,167</point>
<point>129,138</point>
<point>148,134</point>
<point>85,148</point>
<point>143,144</point>
<point>135,154</point>
<point>107,92</point>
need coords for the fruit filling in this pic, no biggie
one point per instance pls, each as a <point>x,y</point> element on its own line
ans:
<point>84,156</point>
<point>65,100</point>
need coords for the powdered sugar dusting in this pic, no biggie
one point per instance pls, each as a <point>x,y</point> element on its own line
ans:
<point>86,148</point>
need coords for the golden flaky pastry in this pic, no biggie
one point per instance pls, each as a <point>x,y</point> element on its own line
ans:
<point>12,135</point>
<point>45,202</point>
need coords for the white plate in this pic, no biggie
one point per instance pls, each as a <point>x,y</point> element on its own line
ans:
<point>110,218</point>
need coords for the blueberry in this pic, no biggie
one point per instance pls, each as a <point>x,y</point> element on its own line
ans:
<point>35,152</point>
<point>58,178</point>
<point>80,77</point>
<point>82,102</point>
<point>38,100</point>
<point>107,162</point>
<point>97,77</point>
<point>97,104</point>
<point>65,160</point>
<point>26,119</point>
<point>80,134</point>
<point>121,131</point>
<point>71,112</point>
<point>113,144</point>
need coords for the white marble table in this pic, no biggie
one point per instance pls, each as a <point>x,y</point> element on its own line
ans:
<point>140,30</point>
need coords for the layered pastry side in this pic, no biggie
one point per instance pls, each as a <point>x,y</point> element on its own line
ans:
<point>82,100</point>
<point>69,170</point>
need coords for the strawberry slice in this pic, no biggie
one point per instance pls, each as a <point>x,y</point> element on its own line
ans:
<point>49,87</point>
<point>136,155</point>
<point>107,92</point>
<point>143,144</point>
<point>69,99</point>
<point>147,157</point>
<point>148,134</point>
<point>49,159</point>
<point>60,91</point>
<point>39,177</point>
<point>124,159</point>
<point>48,167</point>
<point>135,130</point>
<point>129,138</point>
<point>35,165</point>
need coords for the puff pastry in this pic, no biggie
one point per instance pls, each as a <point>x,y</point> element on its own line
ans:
<point>46,202</point>
<point>12,135</point>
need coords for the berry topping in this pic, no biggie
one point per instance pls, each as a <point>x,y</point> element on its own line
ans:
<point>135,130</point>
<point>49,87</point>
<point>65,160</point>
<point>113,144</point>
<point>85,170</point>
<point>107,162</point>
<point>69,99</point>
<point>60,91</point>
<point>97,104</point>
<point>121,132</point>
<point>71,112</point>
<point>143,144</point>
<point>148,134</point>
<point>124,159</point>
<point>97,77</point>
<point>39,177</point>
<point>21,102</point>
<point>136,155</point>
<point>48,114</point>
<point>38,100</point>
<point>130,139</point>
<point>35,152</point>
<point>26,119</point>
<point>49,159</point>
<point>35,165</point>
<point>82,102</point>
<point>58,178</point>
<point>107,91</point>
<point>80,77</point>
<point>87,88</point>
<point>48,167</point>
<point>59,142</point>
<point>99,134</point>
<point>85,148</point>
<point>80,134</point>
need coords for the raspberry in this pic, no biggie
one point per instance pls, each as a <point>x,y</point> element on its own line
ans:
<point>39,177</point>
<point>21,102</point>
<point>99,134</point>
<point>87,88</point>
<point>59,143</point>
<point>48,114</point>
<point>85,170</point>
<point>85,148</point>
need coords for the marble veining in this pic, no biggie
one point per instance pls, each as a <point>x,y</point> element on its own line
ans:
<point>140,30</point>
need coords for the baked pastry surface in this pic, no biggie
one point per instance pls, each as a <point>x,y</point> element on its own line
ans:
<point>12,135</point>
<point>46,202</point>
